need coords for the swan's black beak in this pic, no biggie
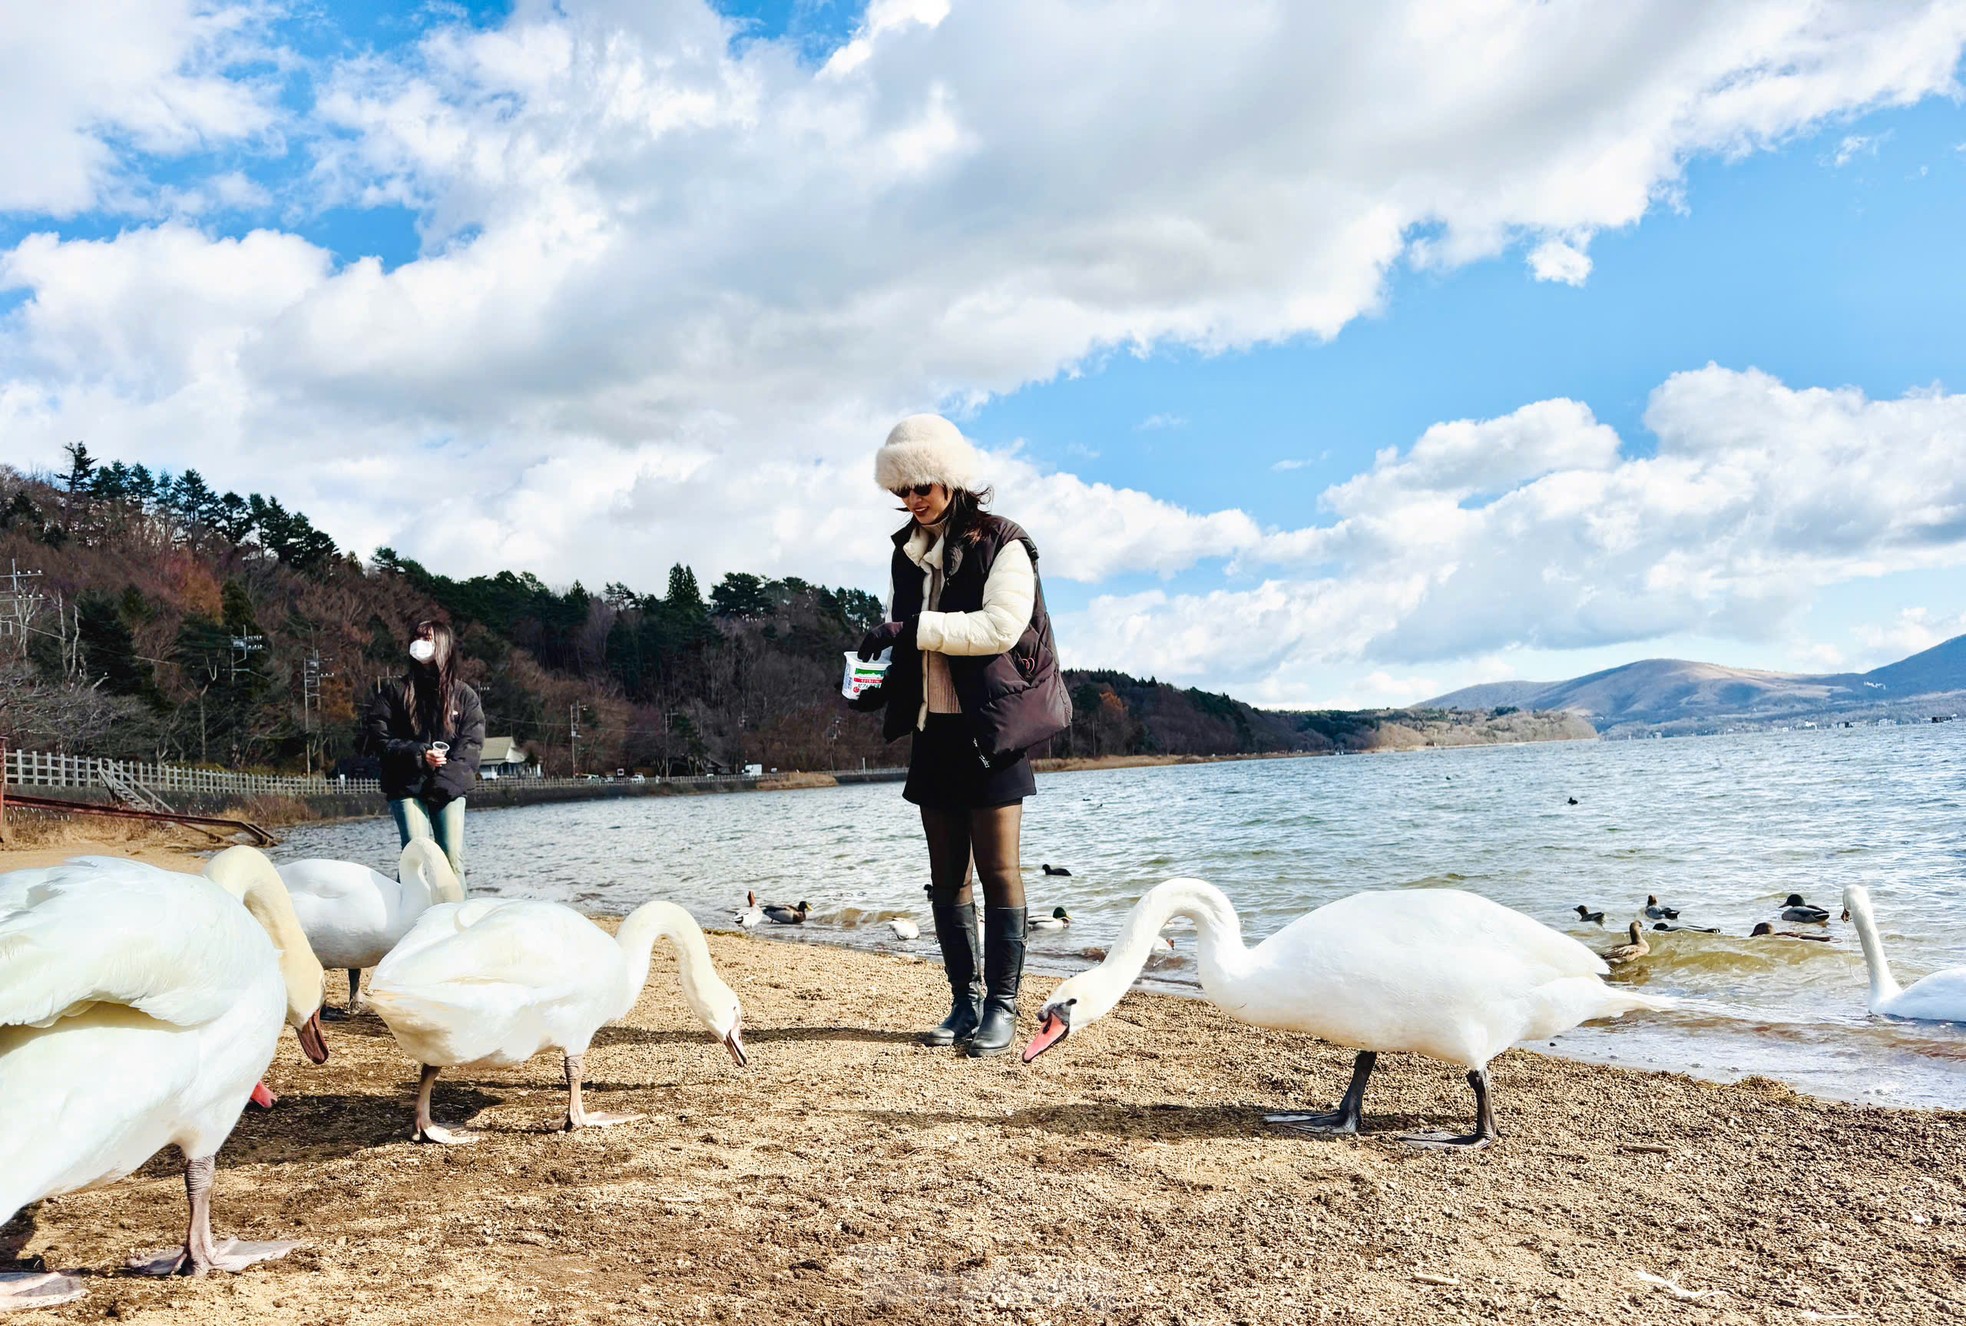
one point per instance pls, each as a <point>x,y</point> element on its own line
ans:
<point>1846,913</point>
<point>312,1043</point>
<point>735,1044</point>
<point>1057,1025</point>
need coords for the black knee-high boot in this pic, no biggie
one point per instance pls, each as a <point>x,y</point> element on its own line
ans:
<point>962,958</point>
<point>1003,971</point>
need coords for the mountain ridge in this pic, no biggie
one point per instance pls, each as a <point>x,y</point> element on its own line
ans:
<point>1684,694</point>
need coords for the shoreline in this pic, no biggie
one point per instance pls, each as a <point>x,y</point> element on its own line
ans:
<point>849,1174</point>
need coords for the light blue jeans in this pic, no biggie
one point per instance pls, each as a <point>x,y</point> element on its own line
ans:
<point>413,821</point>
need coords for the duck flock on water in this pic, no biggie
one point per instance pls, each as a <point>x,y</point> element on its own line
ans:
<point>139,1006</point>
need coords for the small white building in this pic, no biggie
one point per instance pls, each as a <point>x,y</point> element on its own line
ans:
<point>504,757</point>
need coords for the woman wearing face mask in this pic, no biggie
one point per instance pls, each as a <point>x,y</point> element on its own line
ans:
<point>429,729</point>
<point>974,679</point>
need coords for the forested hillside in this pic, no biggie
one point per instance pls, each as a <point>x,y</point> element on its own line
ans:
<point>173,622</point>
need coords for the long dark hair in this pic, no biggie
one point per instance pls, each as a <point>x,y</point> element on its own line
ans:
<point>964,518</point>
<point>428,688</point>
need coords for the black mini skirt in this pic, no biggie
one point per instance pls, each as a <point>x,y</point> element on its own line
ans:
<point>946,773</point>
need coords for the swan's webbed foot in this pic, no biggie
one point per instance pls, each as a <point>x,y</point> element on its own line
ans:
<point>577,1113</point>
<point>329,1013</point>
<point>1329,1123</point>
<point>1448,1141</point>
<point>427,1129</point>
<point>1482,1137</point>
<point>1341,1122</point>
<point>37,1289</point>
<point>200,1253</point>
<point>589,1119</point>
<point>442,1136</point>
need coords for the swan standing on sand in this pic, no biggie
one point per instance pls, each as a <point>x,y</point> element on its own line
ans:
<point>138,1008</point>
<point>1940,997</point>
<point>1436,972</point>
<point>354,915</point>
<point>497,980</point>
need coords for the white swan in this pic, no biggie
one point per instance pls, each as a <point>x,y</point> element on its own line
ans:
<point>1437,972</point>
<point>497,980</point>
<point>138,1008</point>
<point>903,928</point>
<point>1940,997</point>
<point>354,915</point>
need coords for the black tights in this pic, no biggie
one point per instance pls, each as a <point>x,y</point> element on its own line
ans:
<point>989,836</point>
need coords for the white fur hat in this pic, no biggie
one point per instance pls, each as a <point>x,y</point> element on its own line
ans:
<point>925,448</point>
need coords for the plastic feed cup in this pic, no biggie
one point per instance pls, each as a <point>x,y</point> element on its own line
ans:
<point>863,674</point>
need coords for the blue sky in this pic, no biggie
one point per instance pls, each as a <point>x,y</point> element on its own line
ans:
<point>605,286</point>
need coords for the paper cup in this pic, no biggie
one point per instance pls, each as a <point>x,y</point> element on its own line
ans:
<point>863,675</point>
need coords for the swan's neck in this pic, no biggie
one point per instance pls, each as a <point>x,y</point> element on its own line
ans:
<point>1220,954</point>
<point>250,877</point>
<point>664,920</point>
<point>1882,984</point>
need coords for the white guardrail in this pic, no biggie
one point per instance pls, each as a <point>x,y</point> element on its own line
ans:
<point>41,769</point>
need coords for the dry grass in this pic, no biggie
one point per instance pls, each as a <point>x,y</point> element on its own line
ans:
<point>794,781</point>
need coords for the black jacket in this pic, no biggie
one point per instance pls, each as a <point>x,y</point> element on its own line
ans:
<point>1010,701</point>
<point>393,739</point>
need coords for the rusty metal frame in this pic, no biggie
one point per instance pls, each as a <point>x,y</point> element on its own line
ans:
<point>201,822</point>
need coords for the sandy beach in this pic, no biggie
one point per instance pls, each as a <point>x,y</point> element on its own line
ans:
<point>849,1175</point>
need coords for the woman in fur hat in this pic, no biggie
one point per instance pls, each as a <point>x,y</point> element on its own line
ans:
<point>975,681</point>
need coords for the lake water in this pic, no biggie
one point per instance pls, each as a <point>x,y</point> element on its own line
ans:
<point>1721,827</point>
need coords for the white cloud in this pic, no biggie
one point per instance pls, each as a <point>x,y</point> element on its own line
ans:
<point>1560,260</point>
<point>674,290</point>
<point>1913,631</point>
<point>84,81</point>
<point>1155,422</point>
<point>1534,530</point>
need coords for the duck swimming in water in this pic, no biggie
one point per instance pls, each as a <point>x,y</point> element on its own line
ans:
<point>1056,870</point>
<point>1668,927</point>
<point>1058,920</point>
<point>784,915</point>
<point>1762,930</point>
<point>903,928</point>
<point>1795,909</point>
<point>1589,915</point>
<point>1632,951</point>
<point>1655,912</point>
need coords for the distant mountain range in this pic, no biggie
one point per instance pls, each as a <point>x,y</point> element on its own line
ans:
<point>1673,695</point>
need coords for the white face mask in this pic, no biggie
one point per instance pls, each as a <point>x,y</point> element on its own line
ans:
<point>423,650</point>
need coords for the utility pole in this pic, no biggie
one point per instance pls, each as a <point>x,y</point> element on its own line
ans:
<point>573,735</point>
<point>311,674</point>
<point>243,649</point>
<point>18,603</point>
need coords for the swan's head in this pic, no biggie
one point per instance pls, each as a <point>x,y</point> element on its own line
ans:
<point>1856,901</point>
<point>247,875</point>
<point>1077,1003</point>
<point>424,861</point>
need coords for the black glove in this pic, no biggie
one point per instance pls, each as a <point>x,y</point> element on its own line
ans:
<point>888,635</point>
<point>870,701</point>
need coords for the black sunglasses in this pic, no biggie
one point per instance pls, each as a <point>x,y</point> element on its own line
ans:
<point>919,490</point>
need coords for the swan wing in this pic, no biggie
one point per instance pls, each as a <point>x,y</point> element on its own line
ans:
<point>175,947</point>
<point>495,978</point>
<point>349,912</point>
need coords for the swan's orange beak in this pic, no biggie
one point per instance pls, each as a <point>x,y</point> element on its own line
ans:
<point>312,1043</point>
<point>262,1096</point>
<point>1053,1030</point>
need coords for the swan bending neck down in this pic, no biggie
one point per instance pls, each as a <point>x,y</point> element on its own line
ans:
<point>496,980</point>
<point>138,1008</point>
<point>1437,972</point>
<point>1940,997</point>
